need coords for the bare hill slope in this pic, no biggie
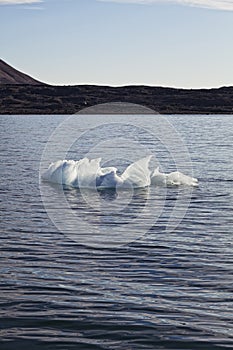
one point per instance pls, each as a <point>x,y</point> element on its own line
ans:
<point>10,75</point>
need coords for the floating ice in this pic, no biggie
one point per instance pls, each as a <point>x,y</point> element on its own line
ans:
<point>87,173</point>
<point>173,179</point>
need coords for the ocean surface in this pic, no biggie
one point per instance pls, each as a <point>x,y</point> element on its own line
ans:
<point>137,269</point>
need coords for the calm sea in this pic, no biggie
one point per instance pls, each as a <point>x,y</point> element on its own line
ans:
<point>151,287</point>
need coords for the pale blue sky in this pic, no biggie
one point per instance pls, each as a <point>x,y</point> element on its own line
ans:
<point>120,42</point>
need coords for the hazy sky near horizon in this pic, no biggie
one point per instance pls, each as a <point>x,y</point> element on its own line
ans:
<point>179,43</point>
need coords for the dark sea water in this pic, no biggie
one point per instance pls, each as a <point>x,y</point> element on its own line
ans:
<point>165,289</point>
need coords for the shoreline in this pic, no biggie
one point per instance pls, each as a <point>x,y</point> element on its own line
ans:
<point>66,100</point>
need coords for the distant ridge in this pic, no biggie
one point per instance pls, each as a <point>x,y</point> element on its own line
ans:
<point>21,94</point>
<point>10,75</point>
